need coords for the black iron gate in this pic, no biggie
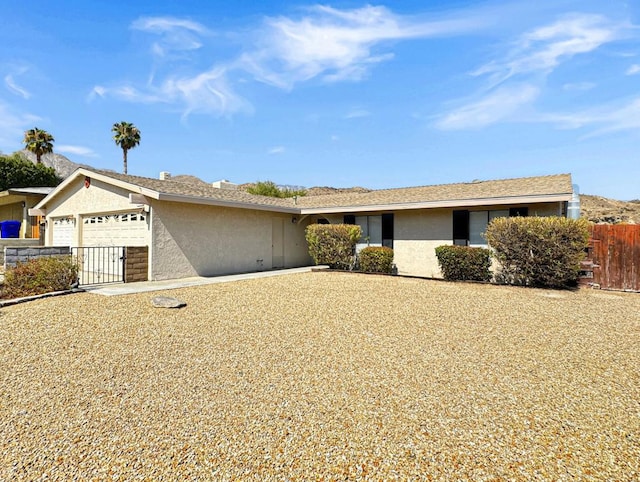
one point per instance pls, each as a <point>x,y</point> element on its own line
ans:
<point>100,264</point>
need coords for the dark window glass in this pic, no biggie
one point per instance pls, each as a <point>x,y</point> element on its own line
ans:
<point>387,230</point>
<point>521,211</point>
<point>349,219</point>
<point>460,226</point>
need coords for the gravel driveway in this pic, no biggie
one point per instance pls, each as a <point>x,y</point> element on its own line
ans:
<point>323,376</point>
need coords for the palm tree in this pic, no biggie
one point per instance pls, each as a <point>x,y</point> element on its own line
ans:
<point>127,136</point>
<point>39,142</point>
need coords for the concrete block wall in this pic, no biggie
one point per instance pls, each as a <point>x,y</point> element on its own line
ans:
<point>21,254</point>
<point>136,266</point>
<point>13,242</point>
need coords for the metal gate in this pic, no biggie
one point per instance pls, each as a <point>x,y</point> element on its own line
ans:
<point>100,264</point>
<point>613,261</point>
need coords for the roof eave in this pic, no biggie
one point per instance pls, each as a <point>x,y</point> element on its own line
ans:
<point>81,171</point>
<point>181,198</point>
<point>450,203</point>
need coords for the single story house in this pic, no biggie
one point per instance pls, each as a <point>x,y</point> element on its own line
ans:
<point>206,230</point>
<point>15,204</point>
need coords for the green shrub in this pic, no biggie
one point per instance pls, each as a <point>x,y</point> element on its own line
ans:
<point>376,259</point>
<point>539,251</point>
<point>463,263</point>
<point>333,244</point>
<point>271,189</point>
<point>40,275</point>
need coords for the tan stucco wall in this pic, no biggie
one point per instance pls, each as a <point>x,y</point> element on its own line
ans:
<point>417,233</point>
<point>193,240</point>
<point>77,200</point>
<point>296,251</point>
<point>11,209</point>
<point>11,212</point>
<point>99,197</point>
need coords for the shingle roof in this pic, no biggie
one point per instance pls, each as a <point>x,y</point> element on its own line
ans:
<point>559,184</point>
<point>30,190</point>
<point>179,188</point>
<point>460,194</point>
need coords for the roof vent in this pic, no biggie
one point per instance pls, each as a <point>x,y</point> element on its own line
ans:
<point>165,175</point>
<point>224,184</point>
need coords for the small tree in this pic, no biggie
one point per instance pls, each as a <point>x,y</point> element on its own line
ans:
<point>539,251</point>
<point>39,142</point>
<point>127,136</point>
<point>16,171</point>
<point>333,244</point>
<point>269,188</point>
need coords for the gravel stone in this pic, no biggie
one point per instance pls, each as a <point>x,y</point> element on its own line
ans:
<point>323,376</point>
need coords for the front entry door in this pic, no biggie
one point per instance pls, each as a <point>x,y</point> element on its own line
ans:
<point>277,243</point>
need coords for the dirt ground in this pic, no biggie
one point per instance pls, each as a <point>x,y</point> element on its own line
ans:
<point>323,376</point>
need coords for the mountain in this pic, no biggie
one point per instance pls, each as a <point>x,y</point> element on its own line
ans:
<point>62,165</point>
<point>602,210</point>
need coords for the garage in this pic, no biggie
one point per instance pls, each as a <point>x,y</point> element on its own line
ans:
<point>63,230</point>
<point>117,229</point>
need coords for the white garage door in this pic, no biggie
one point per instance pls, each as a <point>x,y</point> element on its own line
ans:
<point>63,229</point>
<point>122,229</point>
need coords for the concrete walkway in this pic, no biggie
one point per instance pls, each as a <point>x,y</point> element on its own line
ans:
<point>146,286</point>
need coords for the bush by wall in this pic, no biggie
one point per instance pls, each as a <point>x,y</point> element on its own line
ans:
<point>376,259</point>
<point>40,275</point>
<point>463,263</point>
<point>333,244</point>
<point>539,251</point>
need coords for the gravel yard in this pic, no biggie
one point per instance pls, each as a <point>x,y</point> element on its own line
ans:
<point>323,376</point>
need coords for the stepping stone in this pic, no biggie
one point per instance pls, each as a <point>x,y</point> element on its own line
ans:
<point>167,302</point>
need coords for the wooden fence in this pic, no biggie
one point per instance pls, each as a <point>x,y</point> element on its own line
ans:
<point>613,260</point>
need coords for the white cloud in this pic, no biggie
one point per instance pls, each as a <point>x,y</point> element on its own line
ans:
<point>502,104</point>
<point>15,88</point>
<point>76,150</point>
<point>335,45</point>
<point>634,69</point>
<point>356,113</point>
<point>206,93</point>
<point>543,49</point>
<point>518,79</point>
<point>176,34</point>
<point>621,116</point>
<point>276,150</point>
<point>323,43</point>
<point>167,24</point>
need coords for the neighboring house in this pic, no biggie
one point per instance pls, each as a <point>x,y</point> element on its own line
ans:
<point>15,204</point>
<point>202,230</point>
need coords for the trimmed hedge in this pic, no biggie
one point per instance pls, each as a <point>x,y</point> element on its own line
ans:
<point>463,263</point>
<point>40,275</point>
<point>539,251</point>
<point>376,259</point>
<point>333,244</point>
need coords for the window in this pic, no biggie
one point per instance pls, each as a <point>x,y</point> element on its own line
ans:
<point>460,227</point>
<point>376,230</point>
<point>522,211</point>
<point>469,226</point>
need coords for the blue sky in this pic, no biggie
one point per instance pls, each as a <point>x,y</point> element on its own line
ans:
<point>378,95</point>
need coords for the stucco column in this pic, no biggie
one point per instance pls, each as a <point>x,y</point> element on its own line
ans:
<point>25,219</point>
